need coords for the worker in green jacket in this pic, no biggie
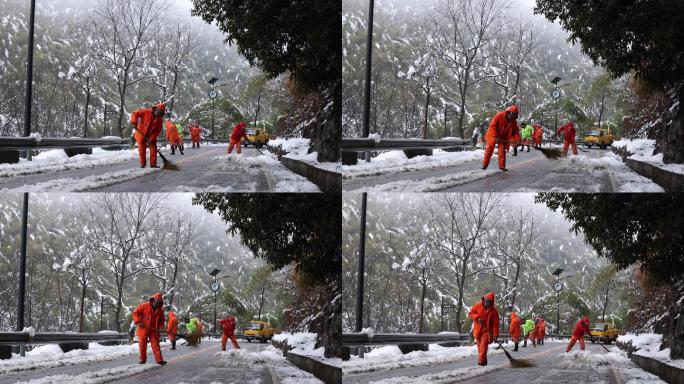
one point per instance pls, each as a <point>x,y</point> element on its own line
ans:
<point>528,332</point>
<point>526,136</point>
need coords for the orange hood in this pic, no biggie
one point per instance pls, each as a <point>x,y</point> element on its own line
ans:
<point>513,109</point>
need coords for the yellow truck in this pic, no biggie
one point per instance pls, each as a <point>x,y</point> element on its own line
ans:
<point>601,137</point>
<point>259,330</point>
<point>605,332</point>
<point>257,137</point>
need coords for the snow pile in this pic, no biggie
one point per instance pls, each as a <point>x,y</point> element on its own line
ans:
<point>297,146</point>
<point>51,355</point>
<point>271,357</point>
<point>616,359</point>
<point>432,184</point>
<point>304,344</point>
<point>610,165</point>
<point>642,150</point>
<point>56,160</point>
<point>264,167</point>
<point>89,183</point>
<point>392,162</point>
<point>30,330</point>
<point>460,375</point>
<point>648,345</point>
<point>390,357</point>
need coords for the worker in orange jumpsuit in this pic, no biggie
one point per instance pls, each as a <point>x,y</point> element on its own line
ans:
<point>503,131</point>
<point>149,317</point>
<point>537,136</point>
<point>173,137</point>
<point>581,328</point>
<point>172,328</point>
<point>568,131</point>
<point>540,330</point>
<point>228,328</point>
<point>514,329</point>
<point>148,125</point>
<point>485,325</point>
<point>239,132</point>
<point>195,132</point>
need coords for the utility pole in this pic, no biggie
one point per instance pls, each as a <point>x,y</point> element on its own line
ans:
<point>22,270</point>
<point>369,63</point>
<point>361,268</point>
<point>101,312</point>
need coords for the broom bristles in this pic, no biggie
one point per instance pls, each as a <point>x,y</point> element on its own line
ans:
<point>521,363</point>
<point>551,153</point>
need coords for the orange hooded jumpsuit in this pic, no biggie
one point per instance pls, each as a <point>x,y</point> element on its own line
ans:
<point>490,325</point>
<point>228,328</point>
<point>172,329</point>
<point>537,135</point>
<point>568,131</point>
<point>514,329</point>
<point>195,135</point>
<point>502,132</point>
<point>149,321</point>
<point>581,328</point>
<point>540,332</point>
<point>236,137</point>
<point>149,127</point>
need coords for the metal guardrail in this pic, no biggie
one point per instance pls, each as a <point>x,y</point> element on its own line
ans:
<point>356,339</point>
<point>24,338</point>
<point>24,143</point>
<point>369,144</point>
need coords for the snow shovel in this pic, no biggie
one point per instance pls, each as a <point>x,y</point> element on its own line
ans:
<point>169,166</point>
<point>604,347</point>
<point>515,363</point>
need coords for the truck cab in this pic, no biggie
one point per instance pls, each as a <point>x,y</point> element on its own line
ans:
<point>605,332</point>
<point>601,137</point>
<point>258,137</point>
<point>259,330</point>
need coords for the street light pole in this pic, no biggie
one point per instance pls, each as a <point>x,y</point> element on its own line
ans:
<point>361,268</point>
<point>28,98</point>
<point>369,63</point>
<point>22,270</point>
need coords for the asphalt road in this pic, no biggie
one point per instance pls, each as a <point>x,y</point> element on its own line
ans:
<point>527,172</point>
<point>548,368</point>
<point>185,364</point>
<point>199,171</point>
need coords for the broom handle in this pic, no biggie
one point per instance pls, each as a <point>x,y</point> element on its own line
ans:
<point>182,336</point>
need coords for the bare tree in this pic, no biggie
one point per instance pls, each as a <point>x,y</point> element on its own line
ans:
<point>458,236</point>
<point>175,250</point>
<point>420,265</point>
<point>423,74</point>
<point>172,51</point>
<point>123,30</point>
<point>464,30</point>
<point>117,224</point>
<point>514,53</point>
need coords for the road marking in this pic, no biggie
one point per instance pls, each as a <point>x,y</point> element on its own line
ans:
<point>526,161</point>
<point>191,354</point>
<point>185,160</point>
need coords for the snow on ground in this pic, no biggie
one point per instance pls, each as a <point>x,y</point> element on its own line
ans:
<point>102,376</point>
<point>431,184</point>
<point>648,345</point>
<point>57,160</point>
<point>460,375</point>
<point>629,372</point>
<point>304,344</point>
<point>283,179</point>
<point>49,356</point>
<point>298,149</point>
<point>642,150</point>
<point>392,162</point>
<point>624,179</point>
<point>271,357</point>
<point>390,357</point>
<point>69,184</point>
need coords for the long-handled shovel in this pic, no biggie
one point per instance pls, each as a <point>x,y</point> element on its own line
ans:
<point>191,339</point>
<point>169,166</point>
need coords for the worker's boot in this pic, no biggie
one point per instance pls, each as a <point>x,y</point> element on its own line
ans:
<point>525,344</point>
<point>515,151</point>
<point>173,149</point>
<point>516,347</point>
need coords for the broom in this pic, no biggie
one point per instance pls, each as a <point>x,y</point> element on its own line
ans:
<point>515,363</point>
<point>190,338</point>
<point>169,166</point>
<point>551,153</point>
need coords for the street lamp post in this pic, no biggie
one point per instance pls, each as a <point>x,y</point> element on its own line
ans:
<point>556,95</point>
<point>22,270</point>
<point>28,99</point>
<point>557,286</point>
<point>213,94</point>
<point>369,63</point>
<point>441,314</point>
<point>215,286</point>
<point>361,268</point>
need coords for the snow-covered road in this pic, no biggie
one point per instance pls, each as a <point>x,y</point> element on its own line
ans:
<point>551,365</point>
<point>591,171</point>
<point>254,363</point>
<point>207,169</point>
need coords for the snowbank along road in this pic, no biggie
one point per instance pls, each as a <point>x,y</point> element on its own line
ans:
<point>550,365</point>
<point>207,169</point>
<point>591,171</point>
<point>203,364</point>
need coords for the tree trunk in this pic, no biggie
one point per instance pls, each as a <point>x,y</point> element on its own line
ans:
<point>328,136</point>
<point>261,301</point>
<point>605,302</point>
<point>258,108</point>
<point>422,307</point>
<point>80,321</point>
<point>87,107</point>
<point>427,107</point>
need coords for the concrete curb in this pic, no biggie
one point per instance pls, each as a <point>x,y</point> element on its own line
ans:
<point>670,181</point>
<point>328,373</point>
<point>327,181</point>
<point>664,371</point>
